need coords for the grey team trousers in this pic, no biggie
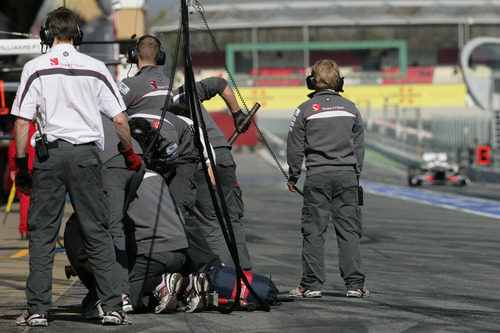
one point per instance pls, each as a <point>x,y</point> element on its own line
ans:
<point>117,180</point>
<point>205,212</point>
<point>76,170</point>
<point>331,196</point>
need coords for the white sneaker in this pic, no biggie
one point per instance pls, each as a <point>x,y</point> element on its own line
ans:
<point>126,304</point>
<point>32,319</point>
<point>304,292</point>
<point>115,318</point>
<point>362,292</point>
<point>200,286</point>
<point>166,292</point>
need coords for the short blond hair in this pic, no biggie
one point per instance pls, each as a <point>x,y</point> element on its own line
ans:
<point>148,48</point>
<point>326,72</point>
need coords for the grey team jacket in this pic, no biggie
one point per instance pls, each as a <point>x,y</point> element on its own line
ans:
<point>148,89</point>
<point>154,222</point>
<point>328,130</point>
<point>206,89</point>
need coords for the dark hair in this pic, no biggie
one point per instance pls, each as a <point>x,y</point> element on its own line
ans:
<point>63,23</point>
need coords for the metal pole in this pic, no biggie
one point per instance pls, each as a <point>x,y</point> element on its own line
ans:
<point>255,53</point>
<point>305,38</point>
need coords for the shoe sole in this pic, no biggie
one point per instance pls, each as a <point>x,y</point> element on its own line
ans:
<point>170,305</point>
<point>305,295</point>
<point>201,287</point>
<point>38,322</point>
<point>358,295</point>
<point>113,320</point>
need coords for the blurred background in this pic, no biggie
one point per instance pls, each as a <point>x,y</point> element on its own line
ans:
<point>425,74</point>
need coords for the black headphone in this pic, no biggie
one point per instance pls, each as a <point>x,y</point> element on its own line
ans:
<point>311,83</point>
<point>47,36</point>
<point>132,52</point>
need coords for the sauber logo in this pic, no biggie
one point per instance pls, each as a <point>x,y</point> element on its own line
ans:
<point>153,84</point>
<point>156,124</point>
<point>54,61</point>
<point>316,107</point>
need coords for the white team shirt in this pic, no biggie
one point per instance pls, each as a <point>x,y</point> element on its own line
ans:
<point>68,88</point>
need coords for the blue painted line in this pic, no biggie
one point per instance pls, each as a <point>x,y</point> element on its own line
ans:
<point>450,201</point>
<point>456,202</point>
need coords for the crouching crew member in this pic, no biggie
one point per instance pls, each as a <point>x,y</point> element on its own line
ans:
<point>328,130</point>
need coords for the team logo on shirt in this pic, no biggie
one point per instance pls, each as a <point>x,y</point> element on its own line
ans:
<point>153,84</point>
<point>54,61</point>
<point>124,89</point>
<point>156,124</point>
<point>316,107</point>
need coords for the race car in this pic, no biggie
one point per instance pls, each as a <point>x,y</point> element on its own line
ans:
<point>436,170</point>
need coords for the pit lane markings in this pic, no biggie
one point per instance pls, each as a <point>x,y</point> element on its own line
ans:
<point>18,254</point>
<point>455,202</point>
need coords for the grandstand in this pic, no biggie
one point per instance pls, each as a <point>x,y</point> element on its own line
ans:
<point>416,88</point>
<point>443,27</point>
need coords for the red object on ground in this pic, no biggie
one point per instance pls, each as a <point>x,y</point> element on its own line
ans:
<point>226,124</point>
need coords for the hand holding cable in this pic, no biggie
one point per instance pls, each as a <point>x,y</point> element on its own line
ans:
<point>133,161</point>
<point>23,176</point>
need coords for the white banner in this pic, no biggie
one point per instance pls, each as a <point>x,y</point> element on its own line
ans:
<point>19,46</point>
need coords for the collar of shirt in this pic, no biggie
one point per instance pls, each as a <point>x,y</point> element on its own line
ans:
<point>145,69</point>
<point>62,47</point>
<point>322,92</point>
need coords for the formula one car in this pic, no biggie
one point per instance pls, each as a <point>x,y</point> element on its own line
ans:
<point>436,170</point>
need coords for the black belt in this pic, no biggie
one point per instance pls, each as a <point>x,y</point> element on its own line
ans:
<point>55,144</point>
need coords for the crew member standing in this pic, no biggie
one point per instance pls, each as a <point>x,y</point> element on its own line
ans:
<point>328,130</point>
<point>73,129</point>
<point>226,170</point>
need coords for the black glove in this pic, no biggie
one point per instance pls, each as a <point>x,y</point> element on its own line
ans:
<point>23,177</point>
<point>239,119</point>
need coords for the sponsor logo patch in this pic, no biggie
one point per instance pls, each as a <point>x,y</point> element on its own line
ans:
<point>316,107</point>
<point>156,124</point>
<point>124,89</point>
<point>153,84</point>
<point>54,61</point>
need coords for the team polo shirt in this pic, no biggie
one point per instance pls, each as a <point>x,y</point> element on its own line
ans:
<point>68,88</point>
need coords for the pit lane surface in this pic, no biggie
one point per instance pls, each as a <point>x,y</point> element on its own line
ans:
<point>429,269</point>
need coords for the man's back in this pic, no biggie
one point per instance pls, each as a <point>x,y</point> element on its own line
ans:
<point>75,87</point>
<point>146,90</point>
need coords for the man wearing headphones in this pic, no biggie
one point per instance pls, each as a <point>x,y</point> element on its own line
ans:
<point>328,130</point>
<point>149,87</point>
<point>67,160</point>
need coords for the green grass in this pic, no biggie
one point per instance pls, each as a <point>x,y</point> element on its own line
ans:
<point>379,158</point>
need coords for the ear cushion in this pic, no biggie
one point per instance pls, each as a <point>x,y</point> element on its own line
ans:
<point>78,36</point>
<point>132,55</point>
<point>160,57</point>
<point>46,35</point>
<point>311,82</point>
